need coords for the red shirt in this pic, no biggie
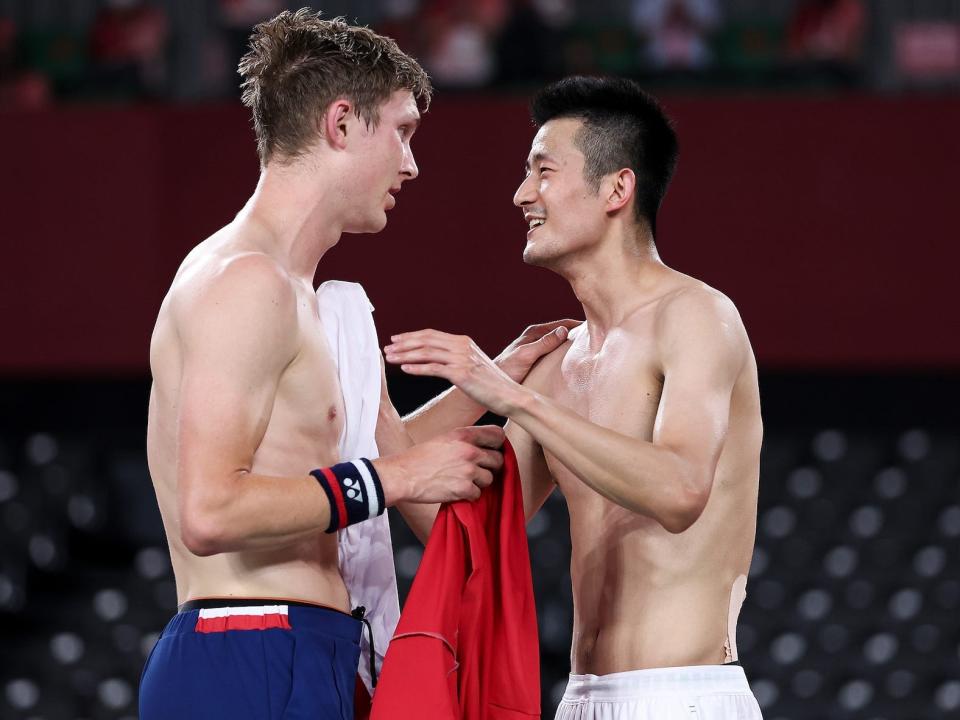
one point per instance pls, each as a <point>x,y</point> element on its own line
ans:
<point>466,647</point>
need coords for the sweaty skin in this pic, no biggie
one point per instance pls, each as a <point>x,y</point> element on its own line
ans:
<point>283,388</point>
<point>261,376</point>
<point>246,398</point>
<point>645,597</point>
<point>647,418</point>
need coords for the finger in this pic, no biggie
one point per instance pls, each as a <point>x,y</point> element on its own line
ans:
<point>472,493</point>
<point>420,356</point>
<point>420,336</point>
<point>490,459</point>
<point>535,349</point>
<point>555,337</point>
<point>488,436</point>
<point>408,335</point>
<point>430,369</point>
<point>482,478</point>
<point>441,341</point>
<point>535,332</point>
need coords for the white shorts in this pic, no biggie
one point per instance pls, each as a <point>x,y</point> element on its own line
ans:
<point>703,692</point>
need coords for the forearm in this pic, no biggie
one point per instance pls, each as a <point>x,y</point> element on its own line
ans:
<point>253,512</point>
<point>250,511</point>
<point>642,477</point>
<point>419,517</point>
<point>393,436</point>
<point>449,410</point>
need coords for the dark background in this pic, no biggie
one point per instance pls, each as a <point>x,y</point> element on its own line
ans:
<point>817,187</point>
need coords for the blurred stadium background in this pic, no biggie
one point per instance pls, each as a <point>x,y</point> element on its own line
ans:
<point>818,186</point>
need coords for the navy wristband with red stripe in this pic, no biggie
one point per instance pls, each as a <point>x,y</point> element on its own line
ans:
<point>354,491</point>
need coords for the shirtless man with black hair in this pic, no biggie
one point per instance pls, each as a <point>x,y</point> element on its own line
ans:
<point>647,418</point>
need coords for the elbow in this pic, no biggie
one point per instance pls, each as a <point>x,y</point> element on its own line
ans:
<point>202,531</point>
<point>686,509</point>
<point>202,538</point>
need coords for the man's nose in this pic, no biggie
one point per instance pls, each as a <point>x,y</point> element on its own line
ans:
<point>409,167</point>
<point>524,194</point>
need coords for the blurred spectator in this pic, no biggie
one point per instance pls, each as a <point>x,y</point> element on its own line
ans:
<point>677,32</point>
<point>238,18</point>
<point>927,50</point>
<point>530,46</point>
<point>459,51</point>
<point>826,36</point>
<point>400,20</point>
<point>131,49</point>
<point>19,89</point>
<point>128,45</point>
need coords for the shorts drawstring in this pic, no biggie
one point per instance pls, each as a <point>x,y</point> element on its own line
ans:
<point>359,613</point>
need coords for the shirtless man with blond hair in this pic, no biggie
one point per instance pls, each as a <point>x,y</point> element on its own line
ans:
<point>247,409</point>
<point>647,418</point>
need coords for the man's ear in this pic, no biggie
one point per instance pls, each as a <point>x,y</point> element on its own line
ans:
<point>623,185</point>
<point>332,125</point>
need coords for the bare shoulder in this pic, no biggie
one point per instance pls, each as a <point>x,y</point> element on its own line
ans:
<point>692,297</point>
<point>234,298</point>
<point>695,319</point>
<point>695,305</point>
<point>222,279</point>
<point>547,366</point>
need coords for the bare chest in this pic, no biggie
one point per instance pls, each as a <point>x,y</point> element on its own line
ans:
<point>617,388</point>
<point>308,414</point>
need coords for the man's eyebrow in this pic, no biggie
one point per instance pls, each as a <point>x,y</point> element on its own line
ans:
<point>537,157</point>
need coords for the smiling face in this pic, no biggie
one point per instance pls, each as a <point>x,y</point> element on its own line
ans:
<point>382,162</point>
<point>564,213</point>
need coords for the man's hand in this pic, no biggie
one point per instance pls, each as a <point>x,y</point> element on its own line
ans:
<point>458,359</point>
<point>453,466</point>
<point>534,342</point>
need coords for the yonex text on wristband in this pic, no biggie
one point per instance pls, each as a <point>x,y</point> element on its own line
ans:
<point>354,491</point>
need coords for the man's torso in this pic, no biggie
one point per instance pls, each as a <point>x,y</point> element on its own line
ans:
<point>302,433</point>
<point>644,597</point>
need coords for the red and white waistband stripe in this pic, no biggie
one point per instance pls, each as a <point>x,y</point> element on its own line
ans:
<point>259,617</point>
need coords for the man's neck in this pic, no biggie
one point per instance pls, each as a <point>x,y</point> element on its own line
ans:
<point>613,280</point>
<point>298,209</point>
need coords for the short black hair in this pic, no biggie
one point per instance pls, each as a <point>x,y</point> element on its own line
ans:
<point>623,127</point>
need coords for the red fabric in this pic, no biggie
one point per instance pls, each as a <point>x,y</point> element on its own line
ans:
<point>466,647</point>
<point>361,701</point>
<point>242,622</point>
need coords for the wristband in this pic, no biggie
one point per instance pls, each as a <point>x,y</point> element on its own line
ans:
<point>354,491</point>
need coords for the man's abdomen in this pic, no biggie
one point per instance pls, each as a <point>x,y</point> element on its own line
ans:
<point>676,627</point>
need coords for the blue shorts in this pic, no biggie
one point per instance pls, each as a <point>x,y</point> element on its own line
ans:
<point>255,659</point>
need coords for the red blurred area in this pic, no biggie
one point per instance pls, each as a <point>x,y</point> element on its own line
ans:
<point>828,221</point>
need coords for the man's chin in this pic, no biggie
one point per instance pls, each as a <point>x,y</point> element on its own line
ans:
<point>368,226</point>
<point>532,255</point>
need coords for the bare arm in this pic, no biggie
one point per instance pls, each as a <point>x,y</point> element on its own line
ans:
<point>702,347</point>
<point>670,477</point>
<point>536,481</point>
<point>393,437</point>
<point>454,408</point>
<point>238,332</point>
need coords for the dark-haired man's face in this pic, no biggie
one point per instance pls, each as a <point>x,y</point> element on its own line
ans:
<point>564,214</point>
<point>383,160</point>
